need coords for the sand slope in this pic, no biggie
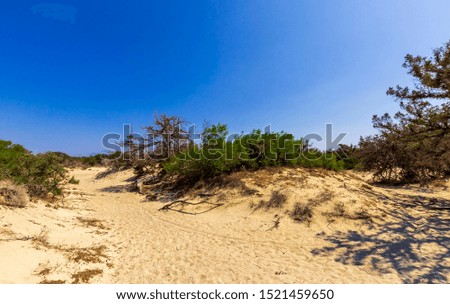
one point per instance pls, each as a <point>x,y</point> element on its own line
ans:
<point>53,243</point>
<point>358,234</point>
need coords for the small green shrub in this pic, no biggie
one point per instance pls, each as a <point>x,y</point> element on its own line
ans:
<point>73,181</point>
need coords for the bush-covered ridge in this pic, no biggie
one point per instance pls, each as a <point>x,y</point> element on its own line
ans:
<point>217,154</point>
<point>413,145</point>
<point>215,151</point>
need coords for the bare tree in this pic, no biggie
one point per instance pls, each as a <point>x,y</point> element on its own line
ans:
<point>166,137</point>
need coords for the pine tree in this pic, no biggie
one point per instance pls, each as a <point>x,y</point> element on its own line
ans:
<point>414,144</point>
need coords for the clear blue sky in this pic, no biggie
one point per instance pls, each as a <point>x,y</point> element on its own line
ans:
<point>73,71</point>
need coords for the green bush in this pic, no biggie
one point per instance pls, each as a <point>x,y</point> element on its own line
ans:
<point>80,161</point>
<point>41,174</point>
<point>218,154</point>
<point>73,181</point>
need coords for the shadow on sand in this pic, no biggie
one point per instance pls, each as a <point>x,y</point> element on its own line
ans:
<point>414,241</point>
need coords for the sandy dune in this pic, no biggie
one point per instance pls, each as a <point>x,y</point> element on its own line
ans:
<point>53,243</point>
<point>358,233</point>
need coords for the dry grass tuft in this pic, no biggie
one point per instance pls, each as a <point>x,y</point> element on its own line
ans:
<point>94,254</point>
<point>362,214</point>
<point>323,197</point>
<point>366,186</point>
<point>44,271</point>
<point>302,213</point>
<point>41,239</point>
<point>276,201</point>
<point>90,222</point>
<point>45,281</point>
<point>231,181</point>
<point>7,232</point>
<point>249,192</point>
<point>88,255</point>
<point>13,195</point>
<point>340,211</point>
<point>85,276</point>
<point>439,183</point>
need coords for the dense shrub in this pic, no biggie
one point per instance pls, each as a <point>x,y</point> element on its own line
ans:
<point>41,174</point>
<point>218,154</point>
<point>69,161</point>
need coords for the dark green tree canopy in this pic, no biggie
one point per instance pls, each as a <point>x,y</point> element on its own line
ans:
<point>414,144</point>
<point>426,107</point>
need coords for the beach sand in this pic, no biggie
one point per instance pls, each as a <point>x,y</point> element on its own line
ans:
<point>358,233</point>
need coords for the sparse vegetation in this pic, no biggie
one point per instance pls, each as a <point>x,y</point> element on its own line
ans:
<point>73,181</point>
<point>13,195</point>
<point>45,281</point>
<point>93,254</point>
<point>321,198</point>
<point>85,276</point>
<point>41,239</point>
<point>90,222</point>
<point>88,255</point>
<point>43,270</point>
<point>340,211</point>
<point>362,214</point>
<point>276,201</point>
<point>302,213</point>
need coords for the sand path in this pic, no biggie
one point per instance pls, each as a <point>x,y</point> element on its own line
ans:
<point>102,233</point>
<point>226,245</point>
